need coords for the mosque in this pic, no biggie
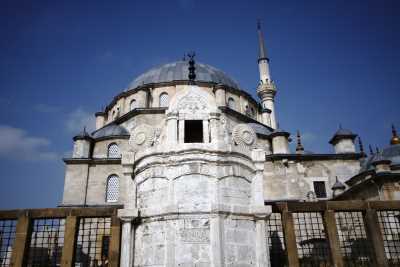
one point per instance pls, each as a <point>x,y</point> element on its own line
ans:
<point>194,161</point>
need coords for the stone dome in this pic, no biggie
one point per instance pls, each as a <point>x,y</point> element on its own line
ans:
<point>110,130</point>
<point>178,71</point>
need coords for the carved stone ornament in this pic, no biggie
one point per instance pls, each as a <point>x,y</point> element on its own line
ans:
<point>243,135</point>
<point>192,103</point>
<point>142,135</point>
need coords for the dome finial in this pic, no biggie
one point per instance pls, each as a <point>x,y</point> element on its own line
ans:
<point>371,152</point>
<point>395,138</point>
<point>192,68</point>
<point>299,147</point>
<point>361,146</point>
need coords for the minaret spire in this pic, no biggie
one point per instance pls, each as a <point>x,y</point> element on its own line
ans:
<point>299,147</point>
<point>262,52</point>
<point>266,89</point>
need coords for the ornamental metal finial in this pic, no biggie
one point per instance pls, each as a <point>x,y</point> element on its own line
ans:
<point>395,138</point>
<point>371,152</point>
<point>192,68</point>
<point>299,147</point>
<point>361,146</point>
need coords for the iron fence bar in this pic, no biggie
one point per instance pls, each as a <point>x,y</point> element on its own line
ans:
<point>20,247</point>
<point>375,236</point>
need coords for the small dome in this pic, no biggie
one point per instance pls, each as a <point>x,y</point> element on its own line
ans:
<point>342,134</point>
<point>84,135</point>
<point>110,130</point>
<point>178,71</point>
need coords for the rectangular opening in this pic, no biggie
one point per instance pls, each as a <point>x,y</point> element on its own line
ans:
<point>193,131</point>
<point>319,189</point>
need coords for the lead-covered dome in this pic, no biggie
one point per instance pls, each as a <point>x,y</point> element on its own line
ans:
<point>178,71</point>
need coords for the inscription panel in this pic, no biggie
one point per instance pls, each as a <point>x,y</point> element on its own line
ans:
<point>235,191</point>
<point>152,193</point>
<point>192,193</point>
<point>150,244</point>
<point>193,246</point>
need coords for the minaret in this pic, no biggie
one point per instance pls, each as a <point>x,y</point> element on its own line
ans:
<point>266,89</point>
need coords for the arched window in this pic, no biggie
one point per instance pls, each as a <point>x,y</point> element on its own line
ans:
<point>231,103</point>
<point>113,151</point>
<point>133,104</point>
<point>164,100</point>
<point>112,190</point>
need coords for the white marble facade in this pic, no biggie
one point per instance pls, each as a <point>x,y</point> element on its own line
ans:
<point>199,203</point>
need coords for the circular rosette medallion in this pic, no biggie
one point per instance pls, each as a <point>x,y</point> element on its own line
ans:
<point>142,135</point>
<point>243,135</point>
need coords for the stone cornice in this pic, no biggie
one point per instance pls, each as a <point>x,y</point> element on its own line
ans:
<point>91,161</point>
<point>241,116</point>
<point>305,157</point>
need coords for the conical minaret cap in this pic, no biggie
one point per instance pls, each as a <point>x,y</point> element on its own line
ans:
<point>262,51</point>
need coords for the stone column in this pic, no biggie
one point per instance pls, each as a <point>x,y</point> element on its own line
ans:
<point>214,118</point>
<point>262,250</point>
<point>181,131</point>
<point>259,210</point>
<point>206,131</point>
<point>127,236</point>
<point>172,128</point>
<point>216,233</point>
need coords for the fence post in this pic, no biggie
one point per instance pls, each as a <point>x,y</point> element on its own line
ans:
<point>21,245</point>
<point>375,236</point>
<point>67,257</point>
<point>115,242</point>
<point>331,231</point>
<point>290,238</point>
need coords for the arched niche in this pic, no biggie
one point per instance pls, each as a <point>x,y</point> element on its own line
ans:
<point>193,117</point>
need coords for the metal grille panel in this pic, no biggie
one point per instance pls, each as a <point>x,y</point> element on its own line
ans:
<point>164,100</point>
<point>390,229</point>
<point>112,189</point>
<point>7,237</point>
<point>312,244</point>
<point>46,242</point>
<point>276,242</point>
<point>113,151</point>
<point>353,240</point>
<point>92,241</point>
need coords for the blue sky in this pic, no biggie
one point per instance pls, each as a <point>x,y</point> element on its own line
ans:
<point>334,62</point>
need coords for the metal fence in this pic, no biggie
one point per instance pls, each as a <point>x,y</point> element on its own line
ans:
<point>334,233</point>
<point>60,237</point>
<point>327,233</point>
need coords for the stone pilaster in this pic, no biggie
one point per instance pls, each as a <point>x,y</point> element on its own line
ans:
<point>206,131</point>
<point>127,236</point>
<point>172,128</point>
<point>214,118</point>
<point>181,134</point>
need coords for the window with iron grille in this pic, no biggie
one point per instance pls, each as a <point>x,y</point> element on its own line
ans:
<point>7,237</point>
<point>164,100</point>
<point>113,151</point>
<point>319,189</point>
<point>133,104</point>
<point>90,247</point>
<point>231,103</point>
<point>112,191</point>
